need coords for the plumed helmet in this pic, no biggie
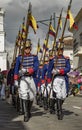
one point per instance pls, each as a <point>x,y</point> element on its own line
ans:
<point>41,62</point>
<point>60,45</point>
<point>46,58</point>
<point>50,53</point>
<point>28,43</point>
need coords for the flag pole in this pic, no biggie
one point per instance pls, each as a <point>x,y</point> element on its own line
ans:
<point>16,45</point>
<point>15,51</point>
<point>21,36</point>
<point>47,38</point>
<point>54,44</point>
<point>69,6</point>
<point>27,28</point>
<point>61,39</point>
<point>38,45</point>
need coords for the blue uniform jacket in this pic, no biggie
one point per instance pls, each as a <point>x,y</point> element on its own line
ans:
<point>44,73</point>
<point>30,62</point>
<point>39,76</point>
<point>63,64</point>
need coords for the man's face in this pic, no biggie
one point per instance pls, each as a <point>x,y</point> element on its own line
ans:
<point>60,52</point>
<point>27,50</point>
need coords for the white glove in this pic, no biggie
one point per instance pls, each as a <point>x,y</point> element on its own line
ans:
<point>49,85</point>
<point>16,83</point>
<point>42,87</point>
<point>22,71</point>
<point>55,71</point>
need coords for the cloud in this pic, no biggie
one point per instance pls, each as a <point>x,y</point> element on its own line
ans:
<point>4,3</point>
<point>41,9</point>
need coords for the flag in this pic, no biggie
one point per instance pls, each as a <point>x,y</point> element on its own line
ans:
<point>60,23</point>
<point>33,23</point>
<point>52,31</point>
<point>39,48</point>
<point>23,25</point>
<point>18,39</point>
<point>44,45</point>
<point>23,29</point>
<point>71,19</point>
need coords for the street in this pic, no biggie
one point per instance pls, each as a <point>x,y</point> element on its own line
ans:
<point>43,120</point>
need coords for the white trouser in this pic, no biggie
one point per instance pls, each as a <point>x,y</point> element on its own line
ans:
<point>44,90</point>
<point>50,91</point>
<point>27,87</point>
<point>59,87</point>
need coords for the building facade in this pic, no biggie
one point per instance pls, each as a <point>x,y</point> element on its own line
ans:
<point>3,54</point>
<point>77,42</point>
<point>68,48</point>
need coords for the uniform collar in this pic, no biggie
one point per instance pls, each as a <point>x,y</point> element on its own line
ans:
<point>27,54</point>
<point>60,56</point>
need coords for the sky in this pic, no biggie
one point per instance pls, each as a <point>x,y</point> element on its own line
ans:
<point>15,10</point>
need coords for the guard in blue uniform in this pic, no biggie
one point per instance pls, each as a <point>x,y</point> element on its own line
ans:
<point>51,98</point>
<point>25,70</point>
<point>44,83</point>
<point>39,83</point>
<point>57,73</point>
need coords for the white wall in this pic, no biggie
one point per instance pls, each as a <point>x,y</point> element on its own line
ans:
<point>3,54</point>
<point>3,61</point>
<point>2,45</point>
<point>77,61</point>
<point>2,14</point>
<point>69,53</point>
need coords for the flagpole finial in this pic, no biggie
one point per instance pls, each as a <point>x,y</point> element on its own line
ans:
<point>70,3</point>
<point>51,18</point>
<point>30,7</point>
<point>61,10</point>
<point>23,18</point>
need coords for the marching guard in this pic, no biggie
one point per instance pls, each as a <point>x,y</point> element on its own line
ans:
<point>51,98</point>
<point>39,78</point>
<point>59,66</point>
<point>44,83</point>
<point>24,71</point>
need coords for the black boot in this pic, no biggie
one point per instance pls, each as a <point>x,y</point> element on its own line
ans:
<point>26,110</point>
<point>62,101</point>
<point>40,100</point>
<point>45,103</point>
<point>21,111</point>
<point>52,106</point>
<point>59,109</point>
<point>18,103</point>
<point>30,106</point>
<point>37,99</point>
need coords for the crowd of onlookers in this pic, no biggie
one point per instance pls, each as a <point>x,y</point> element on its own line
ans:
<point>3,85</point>
<point>6,83</point>
<point>75,83</point>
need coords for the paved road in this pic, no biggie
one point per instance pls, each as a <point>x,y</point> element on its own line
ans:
<point>42,120</point>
